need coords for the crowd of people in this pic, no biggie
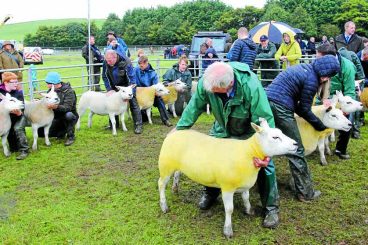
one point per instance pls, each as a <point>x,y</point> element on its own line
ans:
<point>234,92</point>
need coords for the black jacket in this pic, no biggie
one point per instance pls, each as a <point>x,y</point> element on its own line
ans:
<point>68,99</point>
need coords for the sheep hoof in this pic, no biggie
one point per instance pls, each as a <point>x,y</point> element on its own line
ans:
<point>48,144</point>
<point>7,154</point>
<point>125,129</point>
<point>323,162</point>
<point>164,207</point>
<point>228,232</point>
<point>175,189</point>
<point>34,147</point>
<point>329,152</point>
<point>250,212</point>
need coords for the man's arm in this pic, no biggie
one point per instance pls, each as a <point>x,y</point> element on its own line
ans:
<point>194,109</point>
<point>105,78</point>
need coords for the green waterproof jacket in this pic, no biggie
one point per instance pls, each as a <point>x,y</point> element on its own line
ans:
<point>174,74</point>
<point>344,81</point>
<point>350,55</point>
<point>292,52</point>
<point>234,117</point>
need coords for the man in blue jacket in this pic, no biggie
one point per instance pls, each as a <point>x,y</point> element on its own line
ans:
<point>292,91</point>
<point>146,76</point>
<point>244,49</point>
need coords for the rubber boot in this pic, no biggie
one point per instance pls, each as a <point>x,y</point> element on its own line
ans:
<point>137,116</point>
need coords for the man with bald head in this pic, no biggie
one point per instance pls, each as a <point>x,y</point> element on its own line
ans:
<point>237,98</point>
<point>244,49</point>
<point>349,39</point>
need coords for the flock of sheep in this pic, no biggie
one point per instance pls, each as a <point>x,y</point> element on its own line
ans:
<point>188,151</point>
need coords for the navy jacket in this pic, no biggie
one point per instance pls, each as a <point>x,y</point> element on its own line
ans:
<point>296,87</point>
<point>244,51</point>
<point>207,60</point>
<point>121,74</point>
<point>145,78</point>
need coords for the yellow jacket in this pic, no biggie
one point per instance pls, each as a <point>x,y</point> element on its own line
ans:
<point>292,52</point>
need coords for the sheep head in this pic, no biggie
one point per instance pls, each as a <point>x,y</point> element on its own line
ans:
<point>161,90</point>
<point>335,119</point>
<point>347,104</point>
<point>10,103</point>
<point>51,97</point>
<point>126,93</point>
<point>179,85</point>
<point>272,141</point>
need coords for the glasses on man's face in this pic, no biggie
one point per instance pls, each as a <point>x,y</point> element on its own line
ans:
<point>13,81</point>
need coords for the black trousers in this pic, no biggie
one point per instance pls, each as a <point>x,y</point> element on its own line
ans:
<point>63,124</point>
<point>344,137</point>
<point>17,135</point>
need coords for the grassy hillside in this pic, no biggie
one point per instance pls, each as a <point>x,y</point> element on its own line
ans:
<point>19,30</point>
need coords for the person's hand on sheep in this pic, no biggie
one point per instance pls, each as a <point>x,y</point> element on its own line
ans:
<point>52,106</point>
<point>16,112</point>
<point>327,102</point>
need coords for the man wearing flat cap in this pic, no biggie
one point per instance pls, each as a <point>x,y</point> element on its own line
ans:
<point>11,59</point>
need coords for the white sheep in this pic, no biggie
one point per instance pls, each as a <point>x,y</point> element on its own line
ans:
<point>146,97</point>
<point>311,138</point>
<point>170,99</point>
<point>205,160</point>
<point>7,104</point>
<point>101,104</point>
<point>39,115</point>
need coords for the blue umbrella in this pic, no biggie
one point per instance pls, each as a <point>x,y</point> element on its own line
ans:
<point>298,31</point>
<point>272,29</point>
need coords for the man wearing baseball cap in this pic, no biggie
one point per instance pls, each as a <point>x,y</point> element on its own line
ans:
<point>267,50</point>
<point>66,115</point>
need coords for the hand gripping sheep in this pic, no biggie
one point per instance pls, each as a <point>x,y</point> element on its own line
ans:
<point>222,163</point>
<point>332,118</point>
<point>7,105</point>
<point>101,104</point>
<point>170,99</point>
<point>39,115</point>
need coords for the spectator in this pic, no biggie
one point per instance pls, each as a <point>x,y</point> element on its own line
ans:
<point>96,58</point>
<point>118,71</point>
<point>324,40</point>
<point>293,91</point>
<point>332,41</point>
<point>140,52</point>
<point>167,53</point>
<point>114,45</point>
<point>65,113</point>
<point>344,81</point>
<point>228,44</point>
<point>311,46</point>
<point>289,52</point>
<point>302,45</point>
<point>267,50</point>
<point>11,59</point>
<point>349,39</point>
<point>180,71</point>
<point>120,41</point>
<point>237,99</point>
<point>146,76</point>
<point>17,135</point>
<point>244,49</point>
<point>209,58</point>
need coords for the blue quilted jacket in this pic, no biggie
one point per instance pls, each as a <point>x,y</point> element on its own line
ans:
<point>244,51</point>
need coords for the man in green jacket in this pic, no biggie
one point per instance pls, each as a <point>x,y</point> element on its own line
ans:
<point>237,99</point>
<point>344,81</point>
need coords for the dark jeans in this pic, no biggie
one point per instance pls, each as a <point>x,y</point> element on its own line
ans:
<point>17,135</point>
<point>285,121</point>
<point>63,124</point>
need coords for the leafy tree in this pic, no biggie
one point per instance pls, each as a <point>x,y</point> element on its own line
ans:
<point>302,20</point>
<point>329,30</point>
<point>274,11</point>
<point>356,11</point>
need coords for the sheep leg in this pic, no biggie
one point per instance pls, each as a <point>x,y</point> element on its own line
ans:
<point>227,198</point>
<point>332,137</point>
<point>4,141</point>
<point>162,182</point>
<point>90,115</point>
<point>245,197</point>
<point>208,109</point>
<point>327,146</point>
<point>173,110</point>
<point>35,137</point>
<point>148,112</point>
<point>175,186</point>
<point>321,149</point>
<point>46,130</point>
<point>113,123</point>
<point>123,126</point>
<point>81,112</point>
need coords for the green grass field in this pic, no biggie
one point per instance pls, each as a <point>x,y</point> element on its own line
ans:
<point>103,190</point>
<point>17,31</point>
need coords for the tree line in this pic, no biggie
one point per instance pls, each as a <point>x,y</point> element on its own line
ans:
<point>177,24</point>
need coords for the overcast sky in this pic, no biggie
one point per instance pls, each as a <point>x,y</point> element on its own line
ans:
<point>28,10</point>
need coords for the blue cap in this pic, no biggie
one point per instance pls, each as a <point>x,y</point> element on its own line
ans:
<point>263,38</point>
<point>53,78</point>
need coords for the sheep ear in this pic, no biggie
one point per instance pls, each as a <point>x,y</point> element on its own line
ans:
<point>257,128</point>
<point>43,94</point>
<point>334,99</point>
<point>52,88</point>
<point>171,83</point>
<point>329,109</point>
<point>263,123</point>
<point>338,93</point>
<point>133,85</point>
<point>2,96</point>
